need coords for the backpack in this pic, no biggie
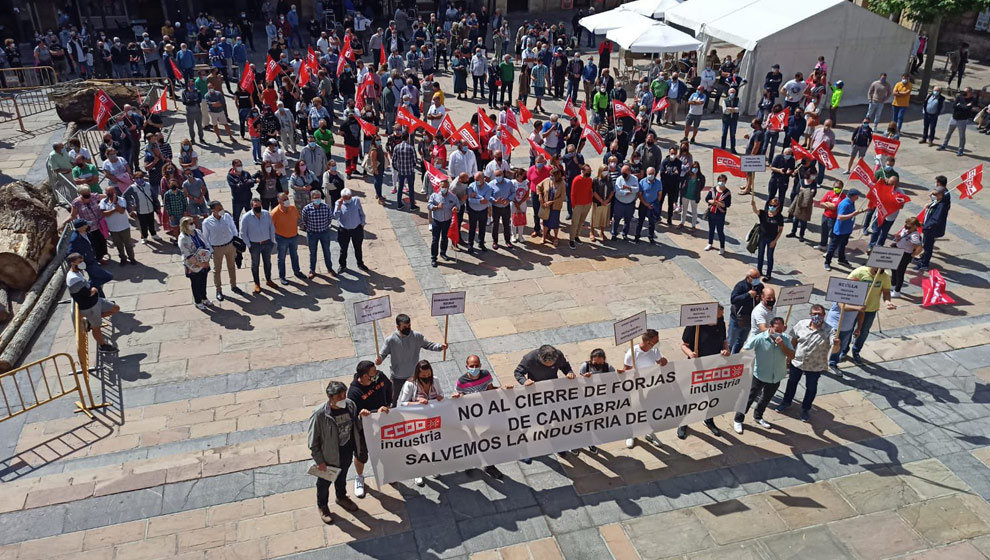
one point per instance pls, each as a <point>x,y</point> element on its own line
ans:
<point>753,238</point>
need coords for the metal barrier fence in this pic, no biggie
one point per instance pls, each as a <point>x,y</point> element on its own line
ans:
<point>32,388</point>
<point>30,95</point>
<point>27,77</point>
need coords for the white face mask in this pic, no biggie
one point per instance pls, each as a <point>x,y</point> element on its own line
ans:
<point>286,203</point>
<point>339,404</point>
<point>81,266</point>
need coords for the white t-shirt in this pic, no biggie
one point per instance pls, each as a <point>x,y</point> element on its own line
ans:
<point>117,168</point>
<point>699,108</point>
<point>908,241</point>
<point>116,221</point>
<point>761,314</point>
<point>652,356</point>
<point>794,90</point>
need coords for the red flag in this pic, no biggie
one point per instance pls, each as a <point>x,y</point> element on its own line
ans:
<point>467,134</point>
<point>921,218</point>
<point>824,155</point>
<point>725,162</point>
<point>884,146</point>
<point>972,182</point>
<point>583,113</point>
<point>596,139</point>
<point>175,70</point>
<point>247,78</point>
<point>161,104</point>
<point>347,52</point>
<point>934,289</point>
<point>484,123</point>
<point>886,200</point>
<point>454,234</point>
<point>312,60</point>
<point>381,56</point>
<point>505,135</point>
<point>446,127</point>
<point>102,106</point>
<point>539,149</point>
<point>435,176</point>
<point>272,69</point>
<point>778,121</point>
<point>569,108</point>
<point>660,105</point>
<point>406,119</point>
<point>303,75</point>
<point>368,128</point>
<point>862,173</point>
<point>341,62</point>
<point>524,114</point>
<point>801,153</point>
<point>622,110</point>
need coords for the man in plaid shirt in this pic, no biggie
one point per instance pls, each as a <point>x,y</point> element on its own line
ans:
<point>316,216</point>
<point>404,163</point>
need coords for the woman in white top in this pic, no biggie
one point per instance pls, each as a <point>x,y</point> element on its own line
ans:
<point>421,388</point>
<point>908,239</point>
<point>196,252</point>
<point>117,171</point>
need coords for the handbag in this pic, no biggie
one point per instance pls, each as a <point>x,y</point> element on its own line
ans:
<point>753,238</point>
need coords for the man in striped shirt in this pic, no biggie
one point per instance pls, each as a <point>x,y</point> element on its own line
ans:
<point>316,216</point>
<point>477,380</point>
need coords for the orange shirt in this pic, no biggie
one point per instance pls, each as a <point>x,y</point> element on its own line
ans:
<point>286,219</point>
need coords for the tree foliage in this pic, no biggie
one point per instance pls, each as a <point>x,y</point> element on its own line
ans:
<point>927,11</point>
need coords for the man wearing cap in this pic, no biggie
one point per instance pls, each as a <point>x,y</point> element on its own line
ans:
<point>219,232</point>
<point>79,243</point>
<point>844,222</point>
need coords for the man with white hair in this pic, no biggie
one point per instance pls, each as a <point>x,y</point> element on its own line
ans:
<point>350,219</point>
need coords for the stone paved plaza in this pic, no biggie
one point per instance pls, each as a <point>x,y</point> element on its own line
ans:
<point>202,454</point>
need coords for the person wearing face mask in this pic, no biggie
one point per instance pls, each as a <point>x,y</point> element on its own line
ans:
<point>286,218</point>
<point>773,349</point>
<point>192,100</point>
<point>215,103</point>
<point>503,191</point>
<point>626,194</point>
<point>403,347</point>
<point>744,299</point>
<point>830,206</point>
<point>480,196</point>
<point>771,226</point>
<point>691,186</point>
<point>711,342</point>
<point>802,206</point>
<point>351,219</point>
<point>80,241</point>
<point>420,389</point>
<point>258,232</point>
<point>730,119</point>
<point>763,312</point>
<point>441,205</point>
<point>477,380</point>
<point>647,352</point>
<point>649,206</point>
<point>581,195</point>
<point>812,342</point>
<point>696,106</point>
<point>901,99</point>
<point>876,96</point>
<point>844,222</point>
<point>936,217</point>
<point>372,392</point>
<point>930,111</point>
<point>142,196</point>
<point>862,136</point>
<point>219,231</point>
<point>671,172</point>
<point>89,301</point>
<point>823,135</point>
<point>335,439</point>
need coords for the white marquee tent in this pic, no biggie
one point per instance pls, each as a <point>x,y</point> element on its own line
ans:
<point>652,37</point>
<point>650,8</point>
<point>857,44</point>
<point>601,23</point>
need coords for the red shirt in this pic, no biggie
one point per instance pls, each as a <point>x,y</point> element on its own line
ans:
<point>835,199</point>
<point>270,97</point>
<point>581,190</point>
<point>535,175</point>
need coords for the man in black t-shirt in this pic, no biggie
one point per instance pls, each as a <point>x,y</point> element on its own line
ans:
<point>781,169</point>
<point>754,147</point>
<point>711,341</point>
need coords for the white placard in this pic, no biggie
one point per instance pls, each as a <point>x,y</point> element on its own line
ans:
<point>503,425</point>
<point>844,290</point>
<point>795,295</point>
<point>629,328</point>
<point>885,257</point>
<point>699,314</point>
<point>752,164</point>
<point>372,310</point>
<point>448,303</point>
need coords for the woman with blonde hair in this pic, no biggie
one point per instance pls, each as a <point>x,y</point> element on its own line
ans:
<point>196,254</point>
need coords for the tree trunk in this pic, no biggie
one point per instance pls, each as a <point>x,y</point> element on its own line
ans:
<point>38,316</point>
<point>926,76</point>
<point>28,232</point>
<point>4,304</point>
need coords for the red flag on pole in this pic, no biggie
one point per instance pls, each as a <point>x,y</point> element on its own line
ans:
<point>800,152</point>
<point>161,104</point>
<point>467,134</point>
<point>933,288</point>
<point>272,69</point>
<point>484,123</point>
<point>175,70</point>
<point>583,113</point>
<point>884,146</point>
<point>454,234</point>
<point>505,135</point>
<point>381,55</point>
<point>725,162</point>
<point>921,218</point>
<point>824,155</point>
<point>622,110</point>
<point>777,122</point>
<point>435,176</point>
<point>524,114</point>
<point>660,105</point>
<point>538,150</point>
<point>368,128</point>
<point>886,200</point>
<point>303,75</point>
<point>862,173</point>
<point>102,106</point>
<point>972,182</point>
<point>312,60</point>
<point>510,119</point>
<point>446,127</point>
<point>247,78</point>
<point>596,139</point>
<point>569,108</point>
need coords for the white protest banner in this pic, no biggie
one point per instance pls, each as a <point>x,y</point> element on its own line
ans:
<point>505,425</point>
<point>447,304</point>
<point>370,311</point>
<point>885,257</point>
<point>843,290</point>
<point>699,314</point>
<point>752,163</point>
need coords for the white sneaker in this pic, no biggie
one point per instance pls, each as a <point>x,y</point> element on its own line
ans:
<point>737,427</point>
<point>419,481</point>
<point>763,424</point>
<point>895,293</point>
<point>845,172</point>
<point>721,251</point>
<point>207,302</point>
<point>200,306</point>
<point>630,443</point>
<point>359,486</point>
<point>708,247</point>
<point>144,241</point>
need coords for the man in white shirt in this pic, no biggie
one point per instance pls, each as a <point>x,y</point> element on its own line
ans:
<point>793,91</point>
<point>436,111</point>
<point>763,312</point>
<point>497,162</point>
<point>323,43</point>
<point>647,352</point>
<point>462,160</point>
<point>219,231</point>
<point>115,210</point>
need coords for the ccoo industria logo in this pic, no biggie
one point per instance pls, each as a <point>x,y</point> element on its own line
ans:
<point>718,374</point>
<point>409,428</point>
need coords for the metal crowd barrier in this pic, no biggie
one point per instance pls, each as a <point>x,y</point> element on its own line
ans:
<point>27,77</point>
<point>32,386</point>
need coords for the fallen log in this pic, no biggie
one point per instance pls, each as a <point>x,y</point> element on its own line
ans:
<point>4,304</point>
<point>28,232</point>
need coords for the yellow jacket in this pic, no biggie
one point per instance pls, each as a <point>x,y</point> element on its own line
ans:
<point>902,94</point>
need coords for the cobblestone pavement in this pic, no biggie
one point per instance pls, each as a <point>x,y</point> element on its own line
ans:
<point>202,454</point>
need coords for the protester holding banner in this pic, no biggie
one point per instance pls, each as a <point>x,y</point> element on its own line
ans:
<point>336,437</point>
<point>705,340</point>
<point>647,352</point>
<point>403,346</point>
<point>771,226</point>
<point>811,339</point>
<point>772,350</point>
<point>846,321</point>
<point>936,216</point>
<point>880,230</point>
<point>369,391</point>
<point>879,285</point>
<point>476,380</point>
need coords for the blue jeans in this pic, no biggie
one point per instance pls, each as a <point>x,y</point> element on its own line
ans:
<point>738,333</point>
<point>880,231</point>
<point>322,239</point>
<point>256,149</point>
<point>287,245</point>
<point>844,338</point>
<point>927,244</point>
<point>810,387</point>
<point>837,244</point>
<point>864,332</point>
<point>622,211</point>
<point>403,180</point>
<point>729,128</point>
<point>765,249</point>
<point>378,184</point>
<point>899,117</point>
<point>931,121</point>
<point>827,225</point>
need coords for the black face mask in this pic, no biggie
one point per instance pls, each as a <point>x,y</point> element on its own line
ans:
<point>256,209</point>
<point>405,331</point>
<point>770,303</point>
<point>86,196</point>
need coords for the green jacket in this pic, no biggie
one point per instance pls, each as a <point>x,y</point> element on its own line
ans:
<point>600,102</point>
<point>201,85</point>
<point>659,88</point>
<point>836,98</point>
<point>507,71</point>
